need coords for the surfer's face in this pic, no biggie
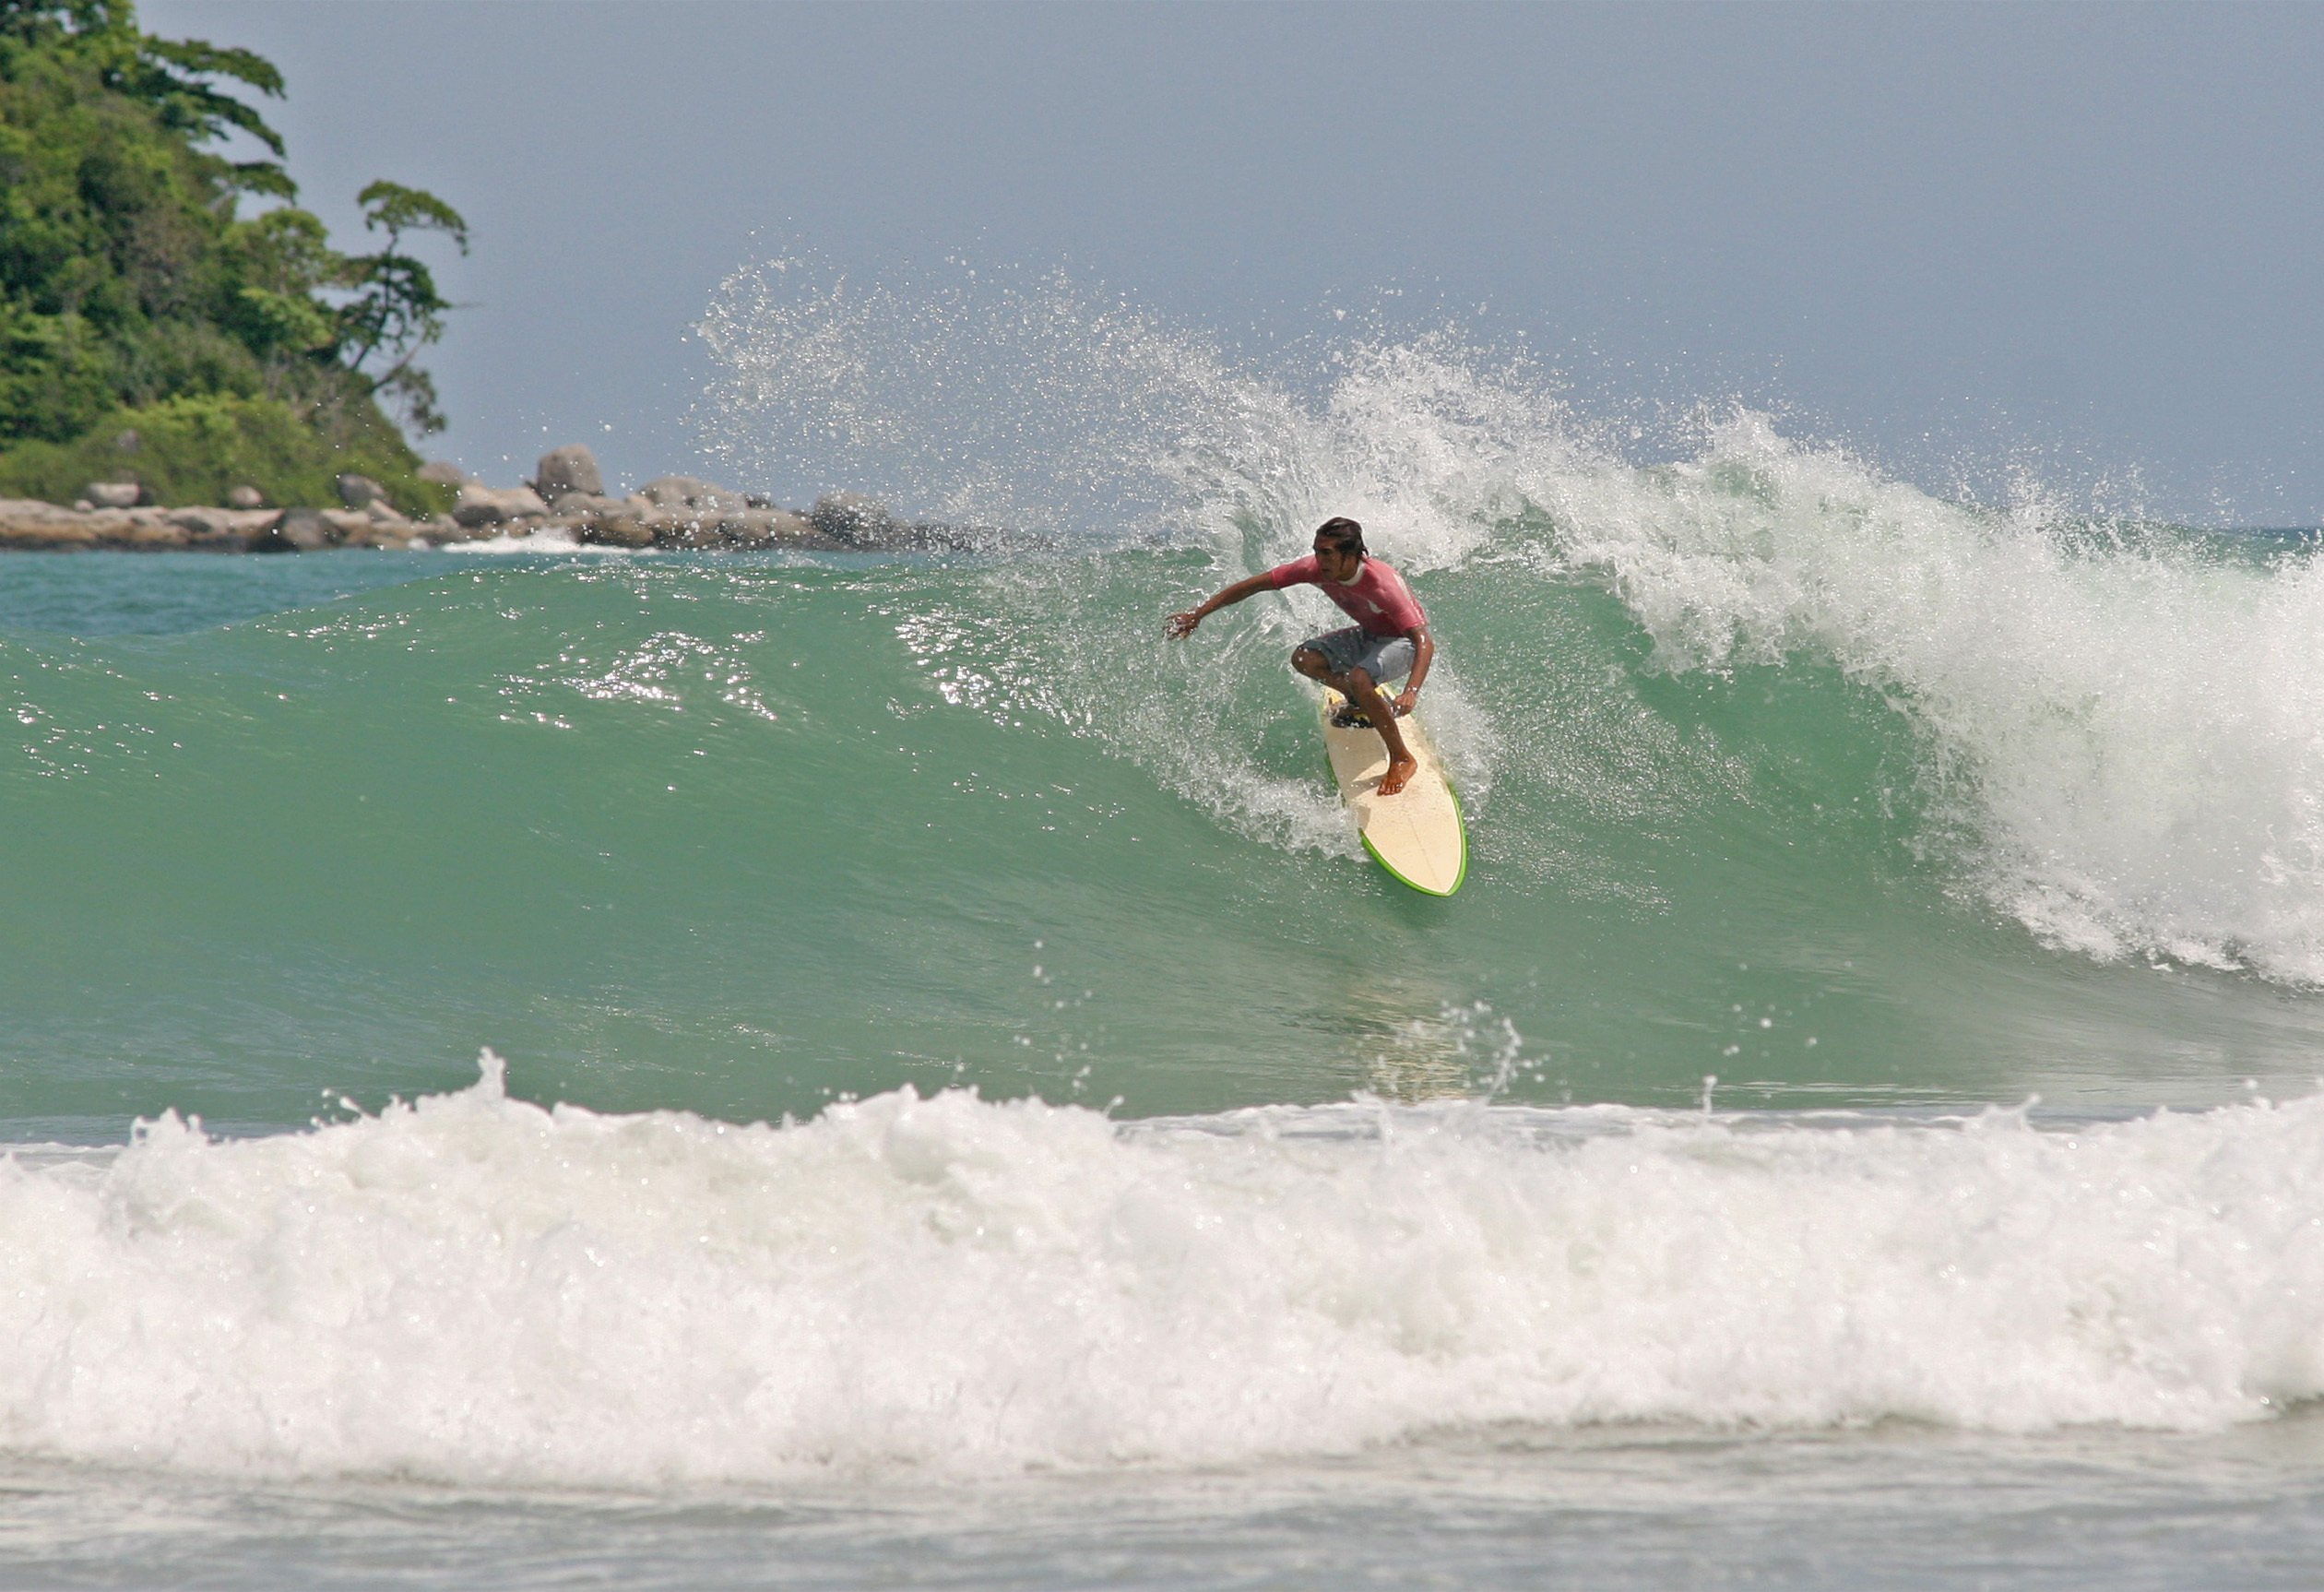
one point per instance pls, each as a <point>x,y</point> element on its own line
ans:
<point>1335,563</point>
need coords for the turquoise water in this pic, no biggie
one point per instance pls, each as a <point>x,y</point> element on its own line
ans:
<point>738,838</point>
<point>960,1109</point>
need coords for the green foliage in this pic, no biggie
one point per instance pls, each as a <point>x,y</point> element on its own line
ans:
<point>128,279</point>
<point>396,311</point>
<point>197,449</point>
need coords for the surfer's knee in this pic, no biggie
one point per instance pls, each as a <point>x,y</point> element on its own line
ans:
<point>1309,662</point>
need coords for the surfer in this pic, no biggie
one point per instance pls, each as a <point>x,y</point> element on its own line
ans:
<point>1388,641</point>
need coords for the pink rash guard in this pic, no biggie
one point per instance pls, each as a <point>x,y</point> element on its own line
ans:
<point>1377,599</point>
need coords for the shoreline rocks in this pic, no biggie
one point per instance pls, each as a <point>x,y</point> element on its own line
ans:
<point>566,500</point>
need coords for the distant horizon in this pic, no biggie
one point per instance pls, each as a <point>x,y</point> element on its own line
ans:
<point>2061,246</point>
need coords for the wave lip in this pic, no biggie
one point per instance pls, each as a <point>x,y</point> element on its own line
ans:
<point>475,1288</point>
<point>2123,715</point>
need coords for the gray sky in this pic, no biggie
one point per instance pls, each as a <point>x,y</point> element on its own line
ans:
<point>2080,239</point>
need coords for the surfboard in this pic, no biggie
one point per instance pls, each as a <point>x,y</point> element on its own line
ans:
<point>1417,834</point>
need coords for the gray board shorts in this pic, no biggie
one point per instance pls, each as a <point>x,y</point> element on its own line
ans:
<point>1384,658</point>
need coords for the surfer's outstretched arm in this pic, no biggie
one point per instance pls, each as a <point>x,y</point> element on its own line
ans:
<point>1423,654</point>
<point>1182,624</point>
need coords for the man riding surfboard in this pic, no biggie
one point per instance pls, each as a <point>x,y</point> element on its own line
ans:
<point>1388,641</point>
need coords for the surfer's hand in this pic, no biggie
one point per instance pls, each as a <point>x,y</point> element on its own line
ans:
<point>1407,702</point>
<point>1182,625</point>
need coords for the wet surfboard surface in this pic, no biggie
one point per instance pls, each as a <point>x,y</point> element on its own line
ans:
<point>1417,834</point>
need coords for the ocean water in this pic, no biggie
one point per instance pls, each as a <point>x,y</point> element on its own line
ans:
<point>562,1069</point>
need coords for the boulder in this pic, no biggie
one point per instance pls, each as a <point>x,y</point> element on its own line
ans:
<point>105,527</point>
<point>149,532</point>
<point>313,529</point>
<point>852,518</point>
<point>580,505</point>
<point>679,528</point>
<point>480,505</point>
<point>689,492</point>
<point>731,527</point>
<point>113,493</point>
<point>224,529</point>
<point>765,527</point>
<point>581,513</point>
<point>367,528</point>
<point>208,527</point>
<point>26,523</point>
<point>564,470</point>
<point>609,521</point>
<point>62,532</point>
<point>245,497</point>
<point>379,511</point>
<point>359,491</point>
<point>443,472</point>
<point>302,531</point>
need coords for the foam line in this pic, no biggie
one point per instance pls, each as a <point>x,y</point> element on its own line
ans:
<point>473,1288</point>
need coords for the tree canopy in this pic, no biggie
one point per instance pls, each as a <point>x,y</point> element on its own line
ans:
<point>130,274</point>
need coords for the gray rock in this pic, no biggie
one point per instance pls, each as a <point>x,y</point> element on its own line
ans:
<point>689,492</point>
<point>207,523</point>
<point>680,528</point>
<point>581,505</point>
<point>359,491</point>
<point>443,472</point>
<point>303,531</point>
<point>482,505</point>
<point>379,511</point>
<point>150,532</point>
<point>225,529</point>
<point>764,527</point>
<point>245,497</point>
<point>366,526</point>
<point>612,521</point>
<point>570,469</point>
<point>730,527</point>
<point>57,531</point>
<point>113,493</point>
<point>851,517</point>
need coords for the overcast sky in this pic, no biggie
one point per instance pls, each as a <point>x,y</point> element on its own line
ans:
<point>2086,238</point>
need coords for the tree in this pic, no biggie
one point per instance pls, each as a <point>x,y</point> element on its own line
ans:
<point>396,310</point>
<point>129,278</point>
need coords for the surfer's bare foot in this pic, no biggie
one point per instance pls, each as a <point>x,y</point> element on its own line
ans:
<point>1399,775</point>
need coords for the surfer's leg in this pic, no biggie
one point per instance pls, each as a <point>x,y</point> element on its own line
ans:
<point>1360,689</point>
<point>1312,660</point>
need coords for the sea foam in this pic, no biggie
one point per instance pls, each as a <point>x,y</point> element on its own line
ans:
<point>473,1288</point>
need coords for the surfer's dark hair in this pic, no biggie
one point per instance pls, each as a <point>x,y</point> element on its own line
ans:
<point>1343,533</point>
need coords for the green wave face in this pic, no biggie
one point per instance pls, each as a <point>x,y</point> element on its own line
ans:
<point>739,838</point>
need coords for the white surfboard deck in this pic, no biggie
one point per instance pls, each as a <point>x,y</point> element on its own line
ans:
<point>1417,834</point>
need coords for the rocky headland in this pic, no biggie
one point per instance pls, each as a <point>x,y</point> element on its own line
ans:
<point>565,502</point>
